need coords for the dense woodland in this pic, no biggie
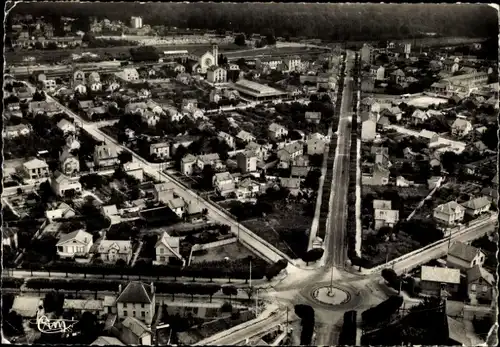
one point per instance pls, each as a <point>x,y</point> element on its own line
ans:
<point>324,21</point>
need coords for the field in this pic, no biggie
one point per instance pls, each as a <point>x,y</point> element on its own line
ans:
<point>232,251</point>
<point>286,228</point>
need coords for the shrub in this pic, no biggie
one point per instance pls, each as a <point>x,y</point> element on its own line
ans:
<point>382,311</point>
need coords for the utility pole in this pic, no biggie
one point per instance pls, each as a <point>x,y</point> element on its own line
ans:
<point>250,273</point>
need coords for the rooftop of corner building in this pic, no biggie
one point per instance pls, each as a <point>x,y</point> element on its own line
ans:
<point>256,89</point>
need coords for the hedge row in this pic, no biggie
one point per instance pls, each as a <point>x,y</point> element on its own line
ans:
<point>238,269</point>
<point>12,282</point>
<point>113,286</point>
<point>382,312</point>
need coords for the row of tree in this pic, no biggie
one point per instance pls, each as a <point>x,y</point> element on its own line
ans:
<point>306,314</point>
<point>324,21</point>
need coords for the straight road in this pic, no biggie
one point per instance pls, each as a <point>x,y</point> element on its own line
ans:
<point>233,337</point>
<point>336,224</point>
<point>247,237</point>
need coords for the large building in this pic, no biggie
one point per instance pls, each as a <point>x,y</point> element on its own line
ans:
<point>136,22</point>
<point>256,91</point>
<point>206,60</point>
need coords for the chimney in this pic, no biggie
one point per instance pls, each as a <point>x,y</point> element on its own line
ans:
<point>119,289</point>
<point>152,288</point>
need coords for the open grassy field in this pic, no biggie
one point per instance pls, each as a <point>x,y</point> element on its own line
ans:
<point>232,251</point>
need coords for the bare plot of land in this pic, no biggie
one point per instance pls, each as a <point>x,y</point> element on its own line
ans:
<point>232,251</point>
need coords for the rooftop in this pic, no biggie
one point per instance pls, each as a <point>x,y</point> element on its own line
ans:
<point>136,292</point>
<point>440,274</point>
<point>463,251</point>
<point>256,89</point>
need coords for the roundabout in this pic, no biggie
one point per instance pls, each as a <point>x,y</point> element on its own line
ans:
<point>332,296</point>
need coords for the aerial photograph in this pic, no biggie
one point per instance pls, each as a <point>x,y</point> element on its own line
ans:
<point>250,174</point>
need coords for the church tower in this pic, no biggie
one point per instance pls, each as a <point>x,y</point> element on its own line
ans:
<point>215,53</point>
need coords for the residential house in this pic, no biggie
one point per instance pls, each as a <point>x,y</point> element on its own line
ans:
<point>245,136</point>
<point>293,184</point>
<point>378,176</point>
<point>367,55</point>
<point>112,250</point>
<point>301,161</point>
<point>177,205</point>
<point>160,150</point>
<point>95,86</point>
<point>207,159</point>
<point>27,306</point>
<point>288,153</point>
<point>132,331</point>
<point>476,206</point>
<point>96,113</point>
<point>480,284</point>
<point>439,281</point>
<point>479,146</point>
<point>188,164</point>
<point>368,126</point>
<point>315,146</point>
<point>84,105</point>
<point>167,250</point>
<point>105,156</point>
<point>128,74</point>
<point>79,306</point>
<point>137,300</point>
<point>150,118</point>
<point>247,189</point>
<point>63,185</point>
<point>419,117</point>
<point>261,151</point>
<point>381,155</point>
<point>313,117</point>
<point>397,76</point>
<point>72,143</point>
<point>461,127</point>
<point>246,161</point>
<point>277,132</point>
<point>463,256</point>
<point>43,107</point>
<point>228,139</point>
<point>224,183</point>
<point>382,123</point>
<point>449,214</point>
<point>13,131</point>
<point>59,210</point>
<point>215,95</point>
<point>384,215</point>
<point>216,74</point>
<point>74,244</point>
<point>68,163</point>
<point>35,169</point>
<point>184,141</point>
<point>163,191</point>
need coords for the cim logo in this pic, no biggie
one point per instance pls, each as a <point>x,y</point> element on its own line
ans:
<point>54,326</point>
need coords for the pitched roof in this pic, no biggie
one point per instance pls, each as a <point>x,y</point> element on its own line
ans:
<point>122,246</point>
<point>188,158</point>
<point>64,122</point>
<point>440,274</point>
<point>35,163</point>
<point>276,127</point>
<point>419,114</point>
<point>449,207</point>
<point>78,235</point>
<point>383,121</point>
<point>427,134</point>
<point>477,203</point>
<point>382,204</point>
<point>477,272</point>
<point>107,341</point>
<point>460,123</point>
<point>463,251</point>
<point>209,157</point>
<point>170,242</point>
<point>136,292</point>
<point>137,327</point>
<point>457,332</point>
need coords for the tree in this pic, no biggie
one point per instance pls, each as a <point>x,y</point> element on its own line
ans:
<point>449,161</point>
<point>53,301</point>
<point>383,311</point>
<point>145,53</point>
<point>239,40</point>
<point>391,278</point>
<point>125,157</point>
<point>226,307</point>
<point>207,175</point>
<point>313,255</point>
<point>230,291</point>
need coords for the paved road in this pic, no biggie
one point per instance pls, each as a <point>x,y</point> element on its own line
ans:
<point>336,241</point>
<point>238,335</point>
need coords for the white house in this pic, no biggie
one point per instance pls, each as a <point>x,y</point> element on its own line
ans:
<point>137,301</point>
<point>167,249</point>
<point>66,126</point>
<point>128,74</point>
<point>63,185</point>
<point>161,149</point>
<point>59,210</point>
<point>449,213</point>
<point>476,206</point>
<point>112,250</point>
<point>276,131</point>
<point>224,183</point>
<point>36,169</point>
<point>463,256</point>
<point>216,74</point>
<point>227,138</point>
<point>461,127</point>
<point>77,243</point>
